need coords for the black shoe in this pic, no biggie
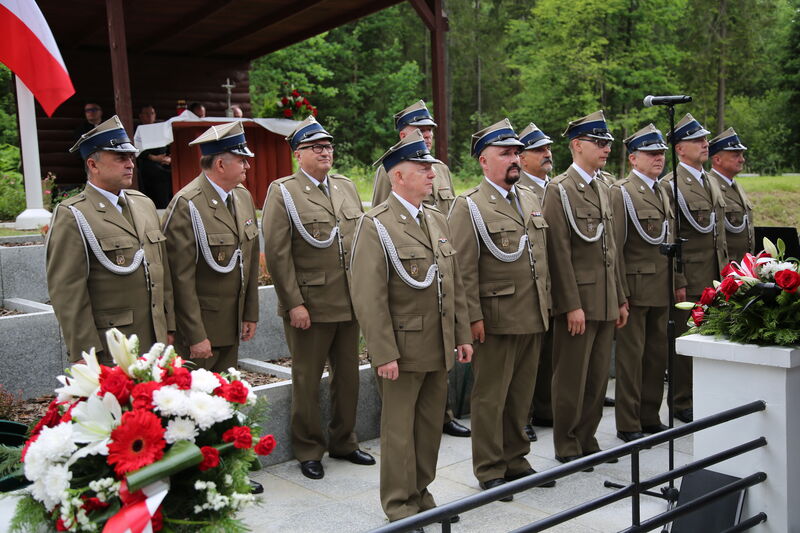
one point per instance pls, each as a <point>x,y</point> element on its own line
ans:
<point>255,487</point>
<point>531,433</point>
<point>542,422</point>
<point>628,436</point>
<point>609,402</point>
<point>492,483</point>
<point>656,428</point>
<point>571,458</point>
<point>685,415</point>
<point>455,429</point>
<point>610,461</point>
<point>312,469</point>
<point>357,457</point>
<point>529,472</point>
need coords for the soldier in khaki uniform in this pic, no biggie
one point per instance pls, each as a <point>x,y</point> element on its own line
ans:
<point>587,290</point>
<point>536,161</point>
<point>106,256</point>
<point>309,222</point>
<point>702,210</point>
<point>642,214</point>
<point>409,300</point>
<point>727,160</point>
<point>212,238</point>
<point>500,234</point>
<point>416,117</point>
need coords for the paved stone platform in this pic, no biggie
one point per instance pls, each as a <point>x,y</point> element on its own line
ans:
<point>346,500</point>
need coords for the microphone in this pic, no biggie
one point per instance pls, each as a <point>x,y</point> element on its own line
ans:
<point>650,100</point>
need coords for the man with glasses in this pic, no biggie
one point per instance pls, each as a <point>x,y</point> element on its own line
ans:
<point>93,116</point>
<point>642,214</point>
<point>702,210</point>
<point>309,221</point>
<point>587,291</point>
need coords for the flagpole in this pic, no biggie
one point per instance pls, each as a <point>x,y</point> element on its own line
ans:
<point>34,215</point>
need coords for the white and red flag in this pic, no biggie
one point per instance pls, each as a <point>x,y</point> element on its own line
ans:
<point>30,51</point>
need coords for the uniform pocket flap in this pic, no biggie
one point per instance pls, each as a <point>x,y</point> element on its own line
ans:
<point>697,257</point>
<point>113,319</point>
<point>156,236</point>
<point>648,214</point>
<point>496,288</point>
<point>587,212</point>
<point>120,242</point>
<point>500,225</point>
<point>306,279</point>
<point>699,206</point>
<point>641,268</point>
<point>407,322</point>
<point>317,215</point>
<point>539,222</point>
<point>351,212</point>
<point>209,303</point>
<point>446,194</point>
<point>447,249</point>
<point>411,252</point>
<point>250,232</point>
<point>221,239</point>
<point>585,277</point>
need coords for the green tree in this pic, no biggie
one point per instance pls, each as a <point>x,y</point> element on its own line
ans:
<point>8,108</point>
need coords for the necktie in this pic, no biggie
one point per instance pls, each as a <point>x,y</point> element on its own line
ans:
<point>324,189</point>
<point>125,210</point>
<point>512,199</point>
<point>422,224</point>
<point>229,204</point>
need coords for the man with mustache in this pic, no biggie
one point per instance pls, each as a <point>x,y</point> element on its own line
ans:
<point>701,205</point>
<point>587,291</point>
<point>536,160</point>
<point>499,232</point>
<point>642,215</point>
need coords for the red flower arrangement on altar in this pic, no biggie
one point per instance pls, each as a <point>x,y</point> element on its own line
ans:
<point>293,102</point>
<point>757,301</point>
<point>144,442</point>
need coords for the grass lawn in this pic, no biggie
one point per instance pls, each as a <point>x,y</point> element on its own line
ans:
<point>776,199</point>
<point>8,232</point>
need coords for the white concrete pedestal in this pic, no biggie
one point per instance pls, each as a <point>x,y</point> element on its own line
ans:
<point>728,375</point>
<point>32,219</point>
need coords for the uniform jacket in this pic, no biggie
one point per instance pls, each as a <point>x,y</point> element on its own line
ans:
<point>442,196</point>
<point>511,298</point>
<point>704,254</point>
<point>642,266</point>
<point>736,206</point>
<point>400,322</point>
<point>303,274</point>
<point>209,304</point>
<point>88,298</point>
<point>583,275</point>
<point>535,187</point>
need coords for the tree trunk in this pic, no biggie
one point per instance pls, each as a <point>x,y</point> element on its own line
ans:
<point>723,34</point>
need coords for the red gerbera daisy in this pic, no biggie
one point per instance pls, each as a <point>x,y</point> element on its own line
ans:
<point>136,442</point>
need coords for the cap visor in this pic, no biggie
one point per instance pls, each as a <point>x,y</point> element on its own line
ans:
<point>510,141</point>
<point>124,147</point>
<point>318,136</point>
<point>539,143</point>
<point>424,159</point>
<point>424,121</point>
<point>243,151</point>
<point>701,133</point>
<point>605,136</point>
<point>652,148</point>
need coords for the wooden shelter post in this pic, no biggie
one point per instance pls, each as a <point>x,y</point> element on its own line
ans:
<point>119,62</point>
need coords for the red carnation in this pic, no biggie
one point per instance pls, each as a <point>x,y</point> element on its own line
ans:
<point>708,296</point>
<point>60,525</point>
<point>143,394</point>
<point>314,112</point>
<point>265,445</point>
<point>180,377</point>
<point>788,280</point>
<point>298,104</point>
<point>234,392</point>
<point>295,93</point>
<point>50,419</point>
<point>67,417</point>
<point>138,441</point>
<point>305,101</point>
<point>287,113</point>
<point>697,315</point>
<point>93,504</point>
<point>729,286</point>
<point>284,101</point>
<point>157,520</point>
<point>210,458</point>
<point>240,436</point>
<point>115,381</point>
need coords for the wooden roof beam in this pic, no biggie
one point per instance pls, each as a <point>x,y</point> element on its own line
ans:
<point>207,10</point>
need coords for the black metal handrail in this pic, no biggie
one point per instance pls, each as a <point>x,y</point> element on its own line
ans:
<point>443,513</point>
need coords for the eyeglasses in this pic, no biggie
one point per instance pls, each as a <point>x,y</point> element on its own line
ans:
<point>91,109</point>
<point>601,143</point>
<point>318,148</point>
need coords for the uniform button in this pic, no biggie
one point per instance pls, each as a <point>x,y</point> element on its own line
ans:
<point>494,292</point>
<point>400,327</point>
<point>110,323</point>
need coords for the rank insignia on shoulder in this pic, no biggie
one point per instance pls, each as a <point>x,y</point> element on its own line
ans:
<point>403,216</point>
<point>101,204</point>
<point>214,201</point>
<point>641,188</point>
<point>248,222</point>
<point>493,197</point>
<point>308,188</point>
<point>580,185</point>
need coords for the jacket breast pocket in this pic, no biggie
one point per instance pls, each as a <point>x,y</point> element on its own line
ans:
<point>587,219</point>
<point>156,238</point>
<point>415,260</point>
<point>701,211</point>
<point>222,246</point>
<point>120,249</point>
<point>503,234</point>
<point>318,222</point>
<point>251,232</point>
<point>491,293</point>
<point>735,216</point>
<point>446,194</point>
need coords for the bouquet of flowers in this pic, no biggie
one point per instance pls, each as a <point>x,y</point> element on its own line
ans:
<point>294,103</point>
<point>145,442</point>
<point>757,301</point>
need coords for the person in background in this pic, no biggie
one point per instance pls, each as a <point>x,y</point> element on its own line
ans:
<point>155,172</point>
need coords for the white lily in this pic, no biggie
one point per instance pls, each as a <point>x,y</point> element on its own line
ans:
<point>83,380</point>
<point>770,248</point>
<point>93,421</point>
<point>123,350</point>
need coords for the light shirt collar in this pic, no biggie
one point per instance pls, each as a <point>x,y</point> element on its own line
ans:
<point>538,181</point>
<point>726,178</point>
<point>220,191</point>
<point>585,175</point>
<point>110,196</point>
<point>411,208</point>
<point>697,174</point>
<point>501,190</point>
<point>315,181</point>
<point>649,181</point>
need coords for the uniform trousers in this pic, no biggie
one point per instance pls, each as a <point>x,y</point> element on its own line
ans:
<point>542,404</point>
<point>223,358</point>
<point>336,343</point>
<point>411,431</point>
<point>505,372</point>
<point>580,377</point>
<point>683,376</point>
<point>641,360</point>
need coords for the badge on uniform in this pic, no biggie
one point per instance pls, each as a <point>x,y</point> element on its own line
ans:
<point>120,260</point>
<point>590,226</point>
<point>504,241</point>
<point>442,240</point>
<point>214,201</point>
<point>248,222</point>
<point>221,256</point>
<point>536,213</point>
<point>414,269</point>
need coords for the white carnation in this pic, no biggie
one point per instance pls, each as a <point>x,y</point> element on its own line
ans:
<point>204,380</point>
<point>170,401</point>
<point>39,492</point>
<point>235,374</point>
<point>53,444</point>
<point>770,269</point>
<point>180,429</point>
<point>208,410</point>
